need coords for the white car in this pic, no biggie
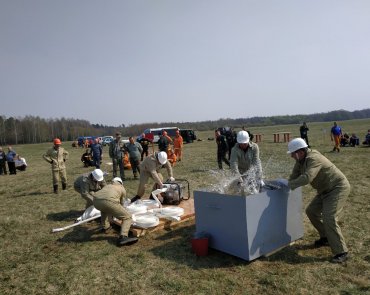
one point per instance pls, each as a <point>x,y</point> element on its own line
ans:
<point>107,140</point>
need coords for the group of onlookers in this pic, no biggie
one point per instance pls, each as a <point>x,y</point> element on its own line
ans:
<point>14,160</point>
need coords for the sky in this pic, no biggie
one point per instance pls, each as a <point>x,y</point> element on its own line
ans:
<point>116,62</point>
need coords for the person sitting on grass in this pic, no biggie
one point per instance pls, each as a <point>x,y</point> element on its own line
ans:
<point>367,138</point>
<point>354,140</point>
<point>20,163</point>
<point>86,159</point>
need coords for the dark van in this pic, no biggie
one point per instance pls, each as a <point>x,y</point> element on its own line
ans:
<point>188,135</point>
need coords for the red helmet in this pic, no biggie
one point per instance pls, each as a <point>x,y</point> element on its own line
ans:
<point>57,141</point>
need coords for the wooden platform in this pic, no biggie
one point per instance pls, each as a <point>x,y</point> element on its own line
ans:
<point>189,213</point>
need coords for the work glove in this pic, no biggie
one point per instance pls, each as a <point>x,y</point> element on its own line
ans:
<point>283,183</point>
<point>172,179</point>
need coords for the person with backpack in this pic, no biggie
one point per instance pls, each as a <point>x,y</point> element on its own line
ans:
<point>231,139</point>
<point>303,130</point>
<point>222,149</point>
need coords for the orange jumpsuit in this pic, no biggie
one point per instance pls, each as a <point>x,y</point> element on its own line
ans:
<point>178,144</point>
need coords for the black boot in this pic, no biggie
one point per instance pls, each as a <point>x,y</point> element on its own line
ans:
<point>135,198</point>
<point>124,240</point>
<point>64,185</point>
<point>55,189</point>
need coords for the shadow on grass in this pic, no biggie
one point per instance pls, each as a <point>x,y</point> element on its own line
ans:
<point>67,215</point>
<point>87,235</point>
<point>29,194</point>
<point>178,248</point>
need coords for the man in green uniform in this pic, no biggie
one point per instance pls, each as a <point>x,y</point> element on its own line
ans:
<point>57,156</point>
<point>89,183</point>
<point>245,163</point>
<point>149,168</point>
<point>116,154</point>
<point>332,187</point>
<point>134,150</point>
<point>109,201</point>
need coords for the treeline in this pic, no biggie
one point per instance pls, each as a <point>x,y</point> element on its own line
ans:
<point>32,129</point>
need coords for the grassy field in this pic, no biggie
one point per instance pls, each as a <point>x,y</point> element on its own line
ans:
<point>84,261</point>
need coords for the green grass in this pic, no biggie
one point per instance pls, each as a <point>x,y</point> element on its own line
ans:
<point>84,261</point>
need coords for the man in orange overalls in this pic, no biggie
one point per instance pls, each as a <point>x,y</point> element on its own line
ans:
<point>178,143</point>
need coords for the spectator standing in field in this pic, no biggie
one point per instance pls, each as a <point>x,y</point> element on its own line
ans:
<point>336,133</point>
<point>116,154</point>
<point>303,130</point>
<point>10,156</point>
<point>20,163</point>
<point>244,128</point>
<point>2,162</point>
<point>149,168</point>
<point>96,152</point>
<point>178,144</point>
<point>134,151</point>
<point>230,138</point>
<point>57,156</point>
<point>332,188</point>
<point>145,145</point>
<point>89,183</point>
<point>164,141</point>
<point>222,149</point>
<point>109,201</point>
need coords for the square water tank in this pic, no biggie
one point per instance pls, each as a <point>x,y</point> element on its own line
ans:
<point>250,226</point>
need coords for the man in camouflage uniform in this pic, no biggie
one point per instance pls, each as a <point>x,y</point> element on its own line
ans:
<point>57,156</point>
<point>89,183</point>
<point>116,154</point>
<point>149,168</point>
<point>333,189</point>
<point>109,201</point>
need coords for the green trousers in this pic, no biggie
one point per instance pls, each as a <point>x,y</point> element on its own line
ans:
<point>323,213</point>
<point>115,209</point>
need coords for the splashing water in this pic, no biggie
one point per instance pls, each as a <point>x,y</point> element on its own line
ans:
<point>228,184</point>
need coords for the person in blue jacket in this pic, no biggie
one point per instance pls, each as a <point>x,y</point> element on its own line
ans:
<point>10,159</point>
<point>96,151</point>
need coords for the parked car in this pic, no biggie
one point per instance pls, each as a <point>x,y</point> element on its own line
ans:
<point>107,140</point>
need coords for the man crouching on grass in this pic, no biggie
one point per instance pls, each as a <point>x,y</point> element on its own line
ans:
<point>332,187</point>
<point>108,200</point>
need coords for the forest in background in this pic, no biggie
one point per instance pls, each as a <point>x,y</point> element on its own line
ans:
<point>31,129</point>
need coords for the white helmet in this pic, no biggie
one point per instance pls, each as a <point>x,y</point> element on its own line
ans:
<point>162,157</point>
<point>242,137</point>
<point>117,180</point>
<point>98,175</point>
<point>296,144</point>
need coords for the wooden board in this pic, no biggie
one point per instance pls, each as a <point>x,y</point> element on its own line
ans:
<point>189,213</point>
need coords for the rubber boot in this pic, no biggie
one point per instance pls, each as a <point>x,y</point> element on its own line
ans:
<point>124,240</point>
<point>135,199</point>
<point>55,189</point>
<point>64,186</point>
